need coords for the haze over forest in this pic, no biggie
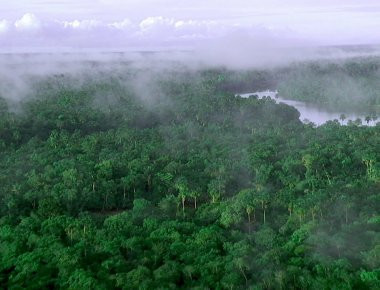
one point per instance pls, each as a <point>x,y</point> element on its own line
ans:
<point>161,144</point>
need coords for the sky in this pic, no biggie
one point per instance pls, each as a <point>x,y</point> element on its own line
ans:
<point>183,24</point>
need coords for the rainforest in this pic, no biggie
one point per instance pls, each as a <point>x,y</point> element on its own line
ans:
<point>116,175</point>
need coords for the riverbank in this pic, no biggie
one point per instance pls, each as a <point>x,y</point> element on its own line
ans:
<point>317,114</point>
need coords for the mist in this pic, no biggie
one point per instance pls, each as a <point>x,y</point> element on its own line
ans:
<point>196,145</point>
<point>236,52</point>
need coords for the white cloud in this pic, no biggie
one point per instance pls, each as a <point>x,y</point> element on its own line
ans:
<point>203,28</point>
<point>126,23</point>
<point>169,29</point>
<point>4,26</point>
<point>181,24</point>
<point>28,22</point>
<point>81,24</point>
<point>157,21</point>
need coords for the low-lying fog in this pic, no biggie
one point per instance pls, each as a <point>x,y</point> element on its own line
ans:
<point>18,72</point>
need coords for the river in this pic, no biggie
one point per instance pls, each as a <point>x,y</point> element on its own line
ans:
<point>314,113</point>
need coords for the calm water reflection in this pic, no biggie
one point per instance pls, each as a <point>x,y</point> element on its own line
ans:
<point>313,113</point>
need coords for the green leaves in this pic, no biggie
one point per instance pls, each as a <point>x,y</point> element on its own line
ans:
<point>201,190</point>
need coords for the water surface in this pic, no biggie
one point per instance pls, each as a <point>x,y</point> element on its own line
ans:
<point>314,113</point>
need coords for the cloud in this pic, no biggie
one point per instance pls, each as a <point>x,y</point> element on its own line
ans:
<point>124,24</point>
<point>202,28</point>
<point>4,26</point>
<point>171,29</point>
<point>327,21</point>
<point>155,32</point>
<point>152,23</point>
<point>156,22</point>
<point>28,22</point>
<point>182,24</point>
<point>81,24</point>
<point>149,33</point>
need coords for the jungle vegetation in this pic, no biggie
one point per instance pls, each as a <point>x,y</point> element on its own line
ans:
<point>187,187</point>
<point>345,84</point>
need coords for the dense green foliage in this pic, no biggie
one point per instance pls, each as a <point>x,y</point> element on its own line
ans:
<point>190,187</point>
<point>345,84</point>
